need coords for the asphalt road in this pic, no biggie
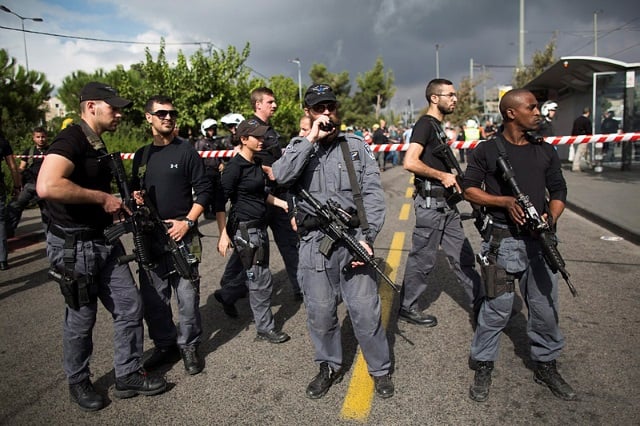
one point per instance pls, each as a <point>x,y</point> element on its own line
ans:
<point>249,382</point>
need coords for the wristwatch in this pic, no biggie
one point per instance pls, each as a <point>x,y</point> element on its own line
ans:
<point>190,223</point>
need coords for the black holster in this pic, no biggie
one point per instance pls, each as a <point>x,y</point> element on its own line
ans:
<point>497,281</point>
<point>76,292</point>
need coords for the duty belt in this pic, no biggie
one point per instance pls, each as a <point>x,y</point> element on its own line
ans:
<point>80,235</point>
<point>250,224</point>
<point>502,231</point>
<point>435,191</point>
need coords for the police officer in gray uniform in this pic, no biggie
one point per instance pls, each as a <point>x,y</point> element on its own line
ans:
<point>510,252</point>
<point>316,163</point>
<point>437,218</point>
<point>77,188</point>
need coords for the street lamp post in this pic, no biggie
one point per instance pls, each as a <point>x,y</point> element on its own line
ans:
<point>297,62</point>
<point>595,31</point>
<point>437,60</point>
<point>24,37</point>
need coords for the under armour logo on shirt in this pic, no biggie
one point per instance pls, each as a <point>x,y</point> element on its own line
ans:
<point>173,166</point>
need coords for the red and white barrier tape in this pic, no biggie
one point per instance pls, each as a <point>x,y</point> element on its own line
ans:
<point>553,140</point>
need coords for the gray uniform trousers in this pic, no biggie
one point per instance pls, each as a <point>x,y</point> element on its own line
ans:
<point>539,288</point>
<point>156,288</point>
<point>438,225</point>
<point>258,280</point>
<point>118,293</point>
<point>324,285</point>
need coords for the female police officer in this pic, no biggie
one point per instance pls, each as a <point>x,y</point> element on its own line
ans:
<point>243,183</point>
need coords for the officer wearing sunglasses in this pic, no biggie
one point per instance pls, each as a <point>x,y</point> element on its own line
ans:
<point>317,164</point>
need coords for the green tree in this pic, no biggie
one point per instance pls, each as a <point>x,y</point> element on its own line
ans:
<point>467,106</point>
<point>540,61</point>
<point>22,95</point>
<point>376,86</point>
<point>287,117</point>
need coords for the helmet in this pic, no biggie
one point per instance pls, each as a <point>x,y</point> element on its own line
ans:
<point>232,119</point>
<point>471,123</point>
<point>548,106</point>
<point>207,124</point>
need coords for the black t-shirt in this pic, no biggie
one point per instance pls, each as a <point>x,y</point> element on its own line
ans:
<point>30,174</point>
<point>89,173</point>
<point>536,167</point>
<point>426,133</point>
<point>581,126</point>
<point>172,171</point>
<point>271,149</point>
<point>243,183</point>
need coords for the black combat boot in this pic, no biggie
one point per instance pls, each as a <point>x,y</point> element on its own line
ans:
<point>139,383</point>
<point>384,386</point>
<point>273,336</point>
<point>479,390</point>
<point>320,384</point>
<point>546,373</point>
<point>414,316</point>
<point>86,396</point>
<point>192,362</point>
<point>162,356</point>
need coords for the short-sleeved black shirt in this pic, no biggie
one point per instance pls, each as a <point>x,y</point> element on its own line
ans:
<point>89,173</point>
<point>30,174</point>
<point>425,133</point>
<point>243,184</point>
<point>536,167</point>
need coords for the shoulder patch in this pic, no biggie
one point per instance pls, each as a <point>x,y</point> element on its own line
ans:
<point>367,149</point>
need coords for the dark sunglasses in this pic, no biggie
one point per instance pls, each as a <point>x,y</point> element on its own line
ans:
<point>320,108</point>
<point>162,113</point>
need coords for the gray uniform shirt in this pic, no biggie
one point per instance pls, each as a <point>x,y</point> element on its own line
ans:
<point>320,169</point>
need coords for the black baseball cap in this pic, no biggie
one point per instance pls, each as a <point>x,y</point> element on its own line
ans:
<point>318,93</point>
<point>251,128</point>
<point>96,91</point>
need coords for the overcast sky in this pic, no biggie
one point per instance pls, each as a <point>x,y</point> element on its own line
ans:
<point>345,35</point>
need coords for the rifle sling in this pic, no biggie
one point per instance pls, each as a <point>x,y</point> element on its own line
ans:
<point>355,187</point>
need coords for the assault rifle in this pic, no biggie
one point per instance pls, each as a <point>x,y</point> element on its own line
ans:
<point>538,226</point>
<point>444,152</point>
<point>142,221</point>
<point>334,222</point>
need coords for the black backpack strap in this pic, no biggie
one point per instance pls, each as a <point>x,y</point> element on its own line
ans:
<point>355,187</point>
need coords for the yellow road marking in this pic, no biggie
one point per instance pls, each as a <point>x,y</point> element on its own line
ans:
<point>409,193</point>
<point>404,211</point>
<point>357,402</point>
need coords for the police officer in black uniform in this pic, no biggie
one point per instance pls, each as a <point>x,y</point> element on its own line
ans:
<point>168,170</point>
<point>77,188</point>
<point>243,182</point>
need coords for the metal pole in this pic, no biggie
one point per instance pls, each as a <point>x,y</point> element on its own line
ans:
<point>299,85</point>
<point>298,62</point>
<point>521,55</point>
<point>24,37</point>
<point>437,60</point>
